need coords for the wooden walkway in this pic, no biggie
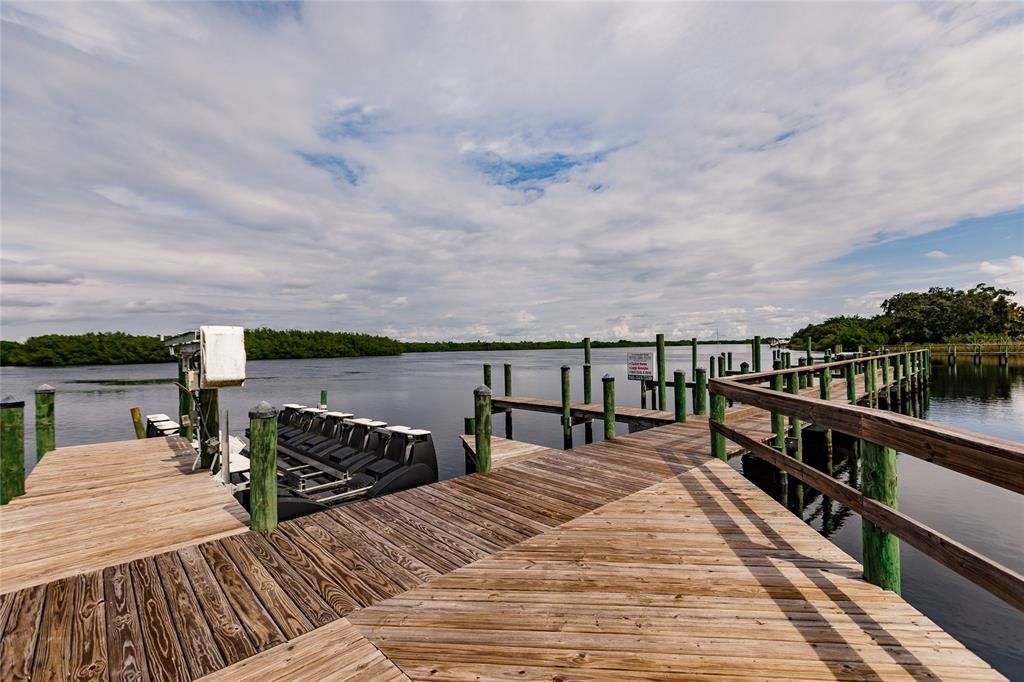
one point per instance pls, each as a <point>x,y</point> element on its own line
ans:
<point>91,506</point>
<point>505,451</point>
<point>583,411</point>
<point>640,557</point>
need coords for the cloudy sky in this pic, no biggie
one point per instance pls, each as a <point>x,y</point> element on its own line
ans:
<point>476,171</point>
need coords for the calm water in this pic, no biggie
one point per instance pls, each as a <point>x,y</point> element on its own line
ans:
<point>434,391</point>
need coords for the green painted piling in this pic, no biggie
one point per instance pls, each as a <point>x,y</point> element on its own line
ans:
<point>851,383</point>
<point>660,343</point>
<point>718,443</point>
<point>884,361</point>
<point>508,379</point>
<point>721,365</point>
<point>586,350</point>
<point>755,349</point>
<point>801,378</point>
<point>263,467</point>
<point>586,383</point>
<point>881,549</point>
<point>693,355</point>
<point>487,376</point>
<point>700,391</point>
<point>566,409</point>
<point>12,449</point>
<point>469,425</point>
<point>825,393</point>
<point>46,429</point>
<point>778,419</point>
<point>679,391</point>
<point>140,427</point>
<point>867,380</point>
<point>744,368</point>
<point>897,379</point>
<point>482,428</point>
<point>184,406</point>
<point>209,409</point>
<point>711,367</point>
<point>323,398</point>
<point>728,361</point>
<point>608,386</point>
<point>873,383</point>
<point>807,349</point>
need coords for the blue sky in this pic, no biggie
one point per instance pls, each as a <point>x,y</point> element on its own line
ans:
<point>444,170</point>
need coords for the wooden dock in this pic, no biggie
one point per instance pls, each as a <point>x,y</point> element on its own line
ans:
<point>641,557</point>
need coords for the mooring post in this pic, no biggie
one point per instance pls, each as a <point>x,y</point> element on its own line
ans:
<point>586,349</point>
<point>718,442</point>
<point>588,425</point>
<point>46,436</point>
<point>711,367</point>
<point>851,383</point>
<point>487,376</point>
<point>796,433</point>
<point>184,406</point>
<point>566,410</point>
<point>825,393</point>
<point>508,392</point>
<point>659,341</point>
<point>608,384</point>
<point>801,378</point>
<point>693,355</point>
<point>263,467</point>
<point>728,361</point>
<point>807,348</point>
<point>209,411</point>
<point>12,449</point>
<point>868,364</point>
<point>323,399</point>
<point>482,427</point>
<point>779,431</point>
<point>885,377</point>
<point>679,389</point>
<point>881,549</point>
<point>140,427</point>
<point>897,380</point>
<point>744,368</point>
<point>700,391</point>
<point>873,391</point>
<point>755,349</point>
<point>469,425</point>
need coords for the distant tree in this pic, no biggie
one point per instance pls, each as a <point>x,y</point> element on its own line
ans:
<point>941,313</point>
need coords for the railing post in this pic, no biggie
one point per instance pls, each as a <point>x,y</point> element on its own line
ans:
<point>718,444</point>
<point>508,392</point>
<point>660,352</point>
<point>608,384</point>
<point>323,399</point>
<point>487,376</point>
<point>801,378</point>
<point>885,377</point>
<point>796,433</point>
<point>263,467</point>
<point>881,549</point>
<point>825,393</point>
<point>779,431</point>
<point>867,381</point>
<point>586,383</point>
<point>679,389</point>
<point>46,429</point>
<point>755,349</point>
<point>851,383</point>
<point>700,391</point>
<point>140,427</point>
<point>566,409</point>
<point>807,348</point>
<point>482,428</point>
<point>897,379</point>
<point>12,449</point>
<point>184,407</point>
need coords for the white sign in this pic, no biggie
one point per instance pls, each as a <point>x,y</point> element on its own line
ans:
<point>640,366</point>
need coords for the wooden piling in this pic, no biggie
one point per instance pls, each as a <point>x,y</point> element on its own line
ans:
<point>469,425</point>
<point>744,368</point>
<point>566,409</point>
<point>711,367</point>
<point>796,433</point>
<point>46,436</point>
<point>718,442</point>
<point>586,350</point>
<point>728,361</point>
<point>779,431</point>
<point>209,411</point>
<point>868,364</point>
<point>807,349</point>
<point>679,389</point>
<point>323,399</point>
<point>487,376</point>
<point>12,449</point>
<point>608,385</point>
<point>586,383</point>
<point>801,380</point>
<point>700,391</point>
<point>881,549</point>
<point>693,355</point>
<point>851,383</point>
<point>140,427</point>
<point>755,349</point>
<point>872,388</point>
<point>660,353</point>
<point>508,393</point>
<point>263,467</point>
<point>825,393</point>
<point>184,406</point>
<point>508,379</point>
<point>482,428</point>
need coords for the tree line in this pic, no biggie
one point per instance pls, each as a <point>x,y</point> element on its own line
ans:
<point>980,314</point>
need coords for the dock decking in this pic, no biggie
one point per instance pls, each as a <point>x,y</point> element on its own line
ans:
<point>641,557</point>
<point>91,506</point>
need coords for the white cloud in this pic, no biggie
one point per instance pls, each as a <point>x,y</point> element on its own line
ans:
<point>1008,273</point>
<point>936,255</point>
<point>158,145</point>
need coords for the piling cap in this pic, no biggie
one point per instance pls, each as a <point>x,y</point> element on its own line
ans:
<point>10,401</point>
<point>45,388</point>
<point>607,377</point>
<point>482,390</point>
<point>263,410</point>
<point>566,368</point>
<point>586,364</point>
<point>679,372</point>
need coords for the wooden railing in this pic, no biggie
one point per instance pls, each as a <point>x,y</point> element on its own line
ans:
<point>880,433</point>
